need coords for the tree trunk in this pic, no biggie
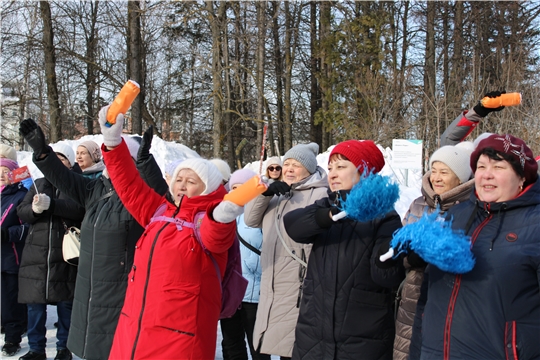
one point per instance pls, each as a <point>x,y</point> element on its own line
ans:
<point>135,56</point>
<point>91,76</point>
<point>215,27</point>
<point>261,39</point>
<point>50,73</point>
<point>315,94</point>
<point>288,83</point>
<point>278,66</point>
<point>430,80</point>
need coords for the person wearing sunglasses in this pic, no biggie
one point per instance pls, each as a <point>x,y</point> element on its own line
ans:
<point>273,168</point>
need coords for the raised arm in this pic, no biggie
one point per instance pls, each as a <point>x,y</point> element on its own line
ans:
<point>139,199</point>
<point>303,225</point>
<point>467,121</point>
<point>71,184</point>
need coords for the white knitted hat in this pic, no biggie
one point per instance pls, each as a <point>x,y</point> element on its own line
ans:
<point>8,152</point>
<point>456,158</point>
<point>223,168</point>
<point>207,171</point>
<point>65,150</point>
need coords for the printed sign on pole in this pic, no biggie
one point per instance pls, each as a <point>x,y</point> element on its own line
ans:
<point>407,154</point>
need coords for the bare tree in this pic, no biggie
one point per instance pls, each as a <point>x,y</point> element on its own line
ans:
<point>50,73</point>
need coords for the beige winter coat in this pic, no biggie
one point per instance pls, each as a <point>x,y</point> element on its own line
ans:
<point>413,281</point>
<point>281,273</point>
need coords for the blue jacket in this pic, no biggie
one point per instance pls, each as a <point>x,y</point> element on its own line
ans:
<point>16,230</point>
<point>251,264</point>
<point>493,311</point>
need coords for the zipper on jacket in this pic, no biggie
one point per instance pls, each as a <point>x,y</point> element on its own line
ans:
<point>48,272</point>
<point>455,291</point>
<point>139,322</point>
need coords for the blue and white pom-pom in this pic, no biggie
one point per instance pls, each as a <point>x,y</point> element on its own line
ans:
<point>372,197</point>
<point>433,240</point>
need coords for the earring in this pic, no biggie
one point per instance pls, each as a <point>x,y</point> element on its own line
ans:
<point>521,188</point>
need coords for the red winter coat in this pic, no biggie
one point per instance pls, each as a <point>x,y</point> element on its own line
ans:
<point>173,298</point>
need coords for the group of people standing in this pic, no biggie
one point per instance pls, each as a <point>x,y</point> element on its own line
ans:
<point>153,251</point>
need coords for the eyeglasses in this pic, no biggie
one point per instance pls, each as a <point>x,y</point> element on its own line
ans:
<point>272,168</point>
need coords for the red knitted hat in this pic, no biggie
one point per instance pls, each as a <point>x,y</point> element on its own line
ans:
<point>361,154</point>
<point>510,145</point>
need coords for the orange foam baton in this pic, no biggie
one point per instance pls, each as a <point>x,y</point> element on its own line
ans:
<point>123,101</point>
<point>509,99</point>
<point>247,191</point>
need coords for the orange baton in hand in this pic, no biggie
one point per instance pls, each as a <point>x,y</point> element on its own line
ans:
<point>247,191</point>
<point>123,101</point>
<point>509,99</point>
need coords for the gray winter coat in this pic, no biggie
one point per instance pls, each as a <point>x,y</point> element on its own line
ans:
<point>282,275</point>
<point>413,281</point>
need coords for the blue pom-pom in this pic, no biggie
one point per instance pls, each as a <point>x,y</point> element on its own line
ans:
<point>433,240</point>
<point>372,197</point>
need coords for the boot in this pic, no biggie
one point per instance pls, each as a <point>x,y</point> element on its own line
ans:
<point>32,355</point>
<point>10,349</point>
<point>63,354</point>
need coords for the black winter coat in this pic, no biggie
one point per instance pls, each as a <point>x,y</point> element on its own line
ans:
<point>44,276</point>
<point>108,237</point>
<point>13,230</point>
<point>346,310</point>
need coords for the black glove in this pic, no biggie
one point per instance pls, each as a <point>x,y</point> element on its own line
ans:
<point>483,111</point>
<point>277,188</point>
<point>415,261</point>
<point>146,143</point>
<point>383,249</point>
<point>322,216</point>
<point>35,137</point>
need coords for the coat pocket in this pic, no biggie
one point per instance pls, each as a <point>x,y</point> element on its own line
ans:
<point>367,314</point>
<point>178,307</point>
<point>521,339</point>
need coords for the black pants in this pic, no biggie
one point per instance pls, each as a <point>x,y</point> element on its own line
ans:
<point>13,313</point>
<point>234,331</point>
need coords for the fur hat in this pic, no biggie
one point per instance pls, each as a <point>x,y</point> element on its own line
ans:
<point>133,145</point>
<point>456,158</point>
<point>10,164</point>
<point>361,153</point>
<point>65,150</point>
<point>8,152</point>
<point>241,176</point>
<point>305,154</point>
<point>93,150</point>
<point>223,168</point>
<point>509,145</point>
<point>208,172</point>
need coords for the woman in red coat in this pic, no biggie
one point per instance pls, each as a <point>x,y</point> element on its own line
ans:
<point>173,300</point>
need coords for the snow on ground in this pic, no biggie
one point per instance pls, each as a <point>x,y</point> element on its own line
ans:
<point>167,152</point>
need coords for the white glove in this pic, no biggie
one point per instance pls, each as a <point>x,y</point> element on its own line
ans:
<point>227,211</point>
<point>40,203</point>
<point>112,135</point>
